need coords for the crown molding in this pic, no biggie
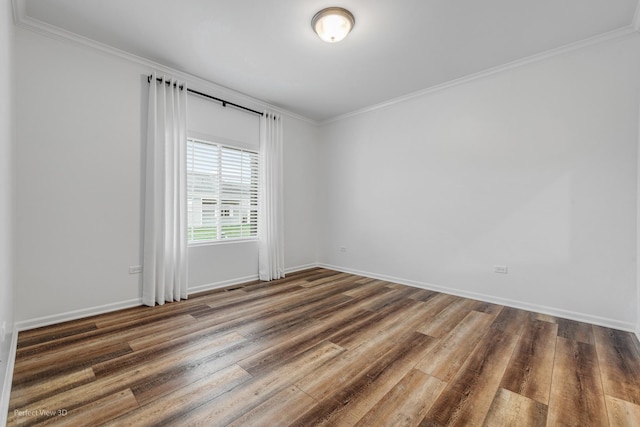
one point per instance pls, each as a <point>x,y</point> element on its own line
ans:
<point>618,34</point>
<point>56,33</point>
<point>19,10</point>
<point>24,21</point>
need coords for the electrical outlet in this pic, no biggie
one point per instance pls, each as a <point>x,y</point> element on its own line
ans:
<point>135,269</point>
<point>502,269</point>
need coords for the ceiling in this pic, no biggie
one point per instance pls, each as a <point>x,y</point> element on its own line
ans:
<point>267,49</point>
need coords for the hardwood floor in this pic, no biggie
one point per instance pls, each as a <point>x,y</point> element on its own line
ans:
<point>322,347</point>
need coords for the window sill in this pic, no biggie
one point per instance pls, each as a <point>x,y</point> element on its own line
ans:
<point>222,242</point>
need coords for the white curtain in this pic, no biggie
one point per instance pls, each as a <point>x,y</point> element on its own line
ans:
<point>270,218</point>
<point>164,275</point>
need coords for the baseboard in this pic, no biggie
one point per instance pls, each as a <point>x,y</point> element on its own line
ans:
<point>300,268</point>
<point>241,280</point>
<point>75,314</point>
<point>6,389</point>
<point>92,311</point>
<point>221,284</point>
<point>552,311</point>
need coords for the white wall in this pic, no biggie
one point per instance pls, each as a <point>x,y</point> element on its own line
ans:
<point>6,171</point>
<point>78,184</point>
<point>533,168</point>
<point>301,174</point>
<point>78,177</point>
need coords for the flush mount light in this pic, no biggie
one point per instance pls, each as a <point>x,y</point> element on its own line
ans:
<point>333,24</point>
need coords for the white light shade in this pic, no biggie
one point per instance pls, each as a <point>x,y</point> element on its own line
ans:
<point>333,24</point>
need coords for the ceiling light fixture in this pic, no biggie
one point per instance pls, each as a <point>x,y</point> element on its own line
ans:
<point>333,24</point>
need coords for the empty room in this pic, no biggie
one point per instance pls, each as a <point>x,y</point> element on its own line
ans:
<point>340,213</point>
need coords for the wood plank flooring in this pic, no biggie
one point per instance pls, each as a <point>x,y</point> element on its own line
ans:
<point>326,348</point>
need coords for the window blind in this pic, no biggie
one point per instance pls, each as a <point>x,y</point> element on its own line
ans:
<point>222,192</point>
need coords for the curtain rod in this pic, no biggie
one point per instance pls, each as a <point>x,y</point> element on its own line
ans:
<point>224,103</point>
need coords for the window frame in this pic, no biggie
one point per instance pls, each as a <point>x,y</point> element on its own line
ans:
<point>222,144</point>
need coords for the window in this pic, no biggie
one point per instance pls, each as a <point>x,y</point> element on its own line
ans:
<point>222,192</point>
